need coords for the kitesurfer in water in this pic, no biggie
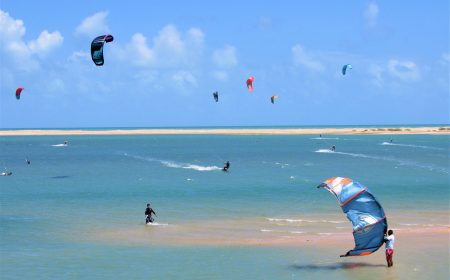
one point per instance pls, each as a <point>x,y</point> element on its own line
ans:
<point>333,148</point>
<point>66,142</point>
<point>148,214</point>
<point>390,141</point>
<point>27,161</point>
<point>389,239</point>
<point>226,166</point>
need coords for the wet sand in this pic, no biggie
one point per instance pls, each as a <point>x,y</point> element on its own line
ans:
<point>335,231</point>
<point>421,249</point>
<point>444,130</point>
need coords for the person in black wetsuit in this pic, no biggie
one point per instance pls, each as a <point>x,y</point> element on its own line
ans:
<point>148,214</point>
<point>333,148</point>
<point>226,166</point>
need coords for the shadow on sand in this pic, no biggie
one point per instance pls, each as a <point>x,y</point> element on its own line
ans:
<point>334,266</point>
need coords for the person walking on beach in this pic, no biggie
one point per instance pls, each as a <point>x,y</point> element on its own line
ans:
<point>148,214</point>
<point>389,239</point>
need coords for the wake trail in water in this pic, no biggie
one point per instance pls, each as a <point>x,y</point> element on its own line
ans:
<point>328,151</point>
<point>325,138</point>
<point>398,161</point>
<point>289,220</point>
<point>154,224</point>
<point>59,145</point>
<point>412,146</point>
<point>174,164</point>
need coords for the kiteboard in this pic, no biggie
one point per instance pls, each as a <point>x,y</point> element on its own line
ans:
<point>59,145</point>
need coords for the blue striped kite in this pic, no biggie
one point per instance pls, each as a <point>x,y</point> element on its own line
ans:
<point>364,212</point>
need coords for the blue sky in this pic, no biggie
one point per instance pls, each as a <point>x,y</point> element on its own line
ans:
<point>168,57</point>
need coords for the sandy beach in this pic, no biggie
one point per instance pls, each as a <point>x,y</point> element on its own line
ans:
<point>444,130</point>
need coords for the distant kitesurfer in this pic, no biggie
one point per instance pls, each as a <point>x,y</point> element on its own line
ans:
<point>389,239</point>
<point>390,141</point>
<point>27,161</point>
<point>320,135</point>
<point>6,173</point>
<point>66,142</point>
<point>333,148</point>
<point>148,214</point>
<point>226,166</point>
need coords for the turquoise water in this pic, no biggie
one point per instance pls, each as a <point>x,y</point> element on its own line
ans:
<point>50,208</point>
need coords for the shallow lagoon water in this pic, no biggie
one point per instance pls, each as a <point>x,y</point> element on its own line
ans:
<point>54,211</point>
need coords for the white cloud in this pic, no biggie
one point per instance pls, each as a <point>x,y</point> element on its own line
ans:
<point>10,28</point>
<point>376,71</point>
<point>138,51</point>
<point>56,85</point>
<point>94,25</point>
<point>305,59</point>
<point>45,42</point>
<point>21,53</point>
<point>371,14</point>
<point>404,70</point>
<point>226,57</point>
<point>196,36</point>
<point>79,56</point>
<point>147,77</point>
<point>220,75</point>
<point>174,48</point>
<point>184,78</point>
<point>170,48</point>
<point>386,73</point>
<point>12,31</point>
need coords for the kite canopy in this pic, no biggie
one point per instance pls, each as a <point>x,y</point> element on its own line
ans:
<point>272,99</point>
<point>363,210</point>
<point>216,96</point>
<point>18,92</point>
<point>97,48</point>
<point>345,67</point>
<point>250,83</point>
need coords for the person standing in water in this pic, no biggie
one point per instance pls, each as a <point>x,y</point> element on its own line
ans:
<point>333,148</point>
<point>148,214</point>
<point>389,239</point>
